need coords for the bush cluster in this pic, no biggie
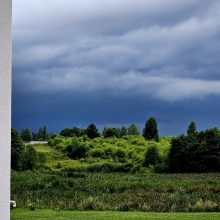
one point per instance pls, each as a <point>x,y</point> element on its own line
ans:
<point>196,151</point>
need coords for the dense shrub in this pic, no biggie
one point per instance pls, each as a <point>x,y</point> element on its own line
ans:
<point>152,156</point>
<point>121,155</point>
<point>16,149</point>
<point>30,159</point>
<point>76,150</point>
<point>110,167</point>
<point>196,152</point>
<point>128,148</point>
<point>98,153</point>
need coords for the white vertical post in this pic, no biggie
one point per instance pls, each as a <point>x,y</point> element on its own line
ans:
<point>5,107</point>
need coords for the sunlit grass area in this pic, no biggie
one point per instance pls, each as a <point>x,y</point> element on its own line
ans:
<point>47,214</point>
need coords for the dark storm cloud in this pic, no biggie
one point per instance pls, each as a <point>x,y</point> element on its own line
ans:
<point>163,52</point>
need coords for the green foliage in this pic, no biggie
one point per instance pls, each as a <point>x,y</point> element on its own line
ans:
<point>196,152</point>
<point>42,134</point>
<point>16,149</point>
<point>26,135</point>
<point>76,149</point>
<point>121,155</point>
<point>126,149</point>
<point>133,130</point>
<point>92,131</point>
<point>72,132</point>
<point>192,129</point>
<point>31,159</point>
<point>150,131</point>
<point>110,167</point>
<point>98,153</point>
<point>111,132</point>
<point>152,156</point>
<point>123,131</point>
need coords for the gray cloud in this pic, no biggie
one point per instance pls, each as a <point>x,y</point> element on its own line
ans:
<point>164,50</point>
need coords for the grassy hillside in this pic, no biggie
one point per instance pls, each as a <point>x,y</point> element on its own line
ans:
<point>129,149</point>
<point>55,157</point>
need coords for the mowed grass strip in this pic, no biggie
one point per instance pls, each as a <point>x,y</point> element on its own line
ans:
<point>47,214</point>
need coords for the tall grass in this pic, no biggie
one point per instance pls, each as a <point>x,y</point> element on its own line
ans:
<point>116,191</point>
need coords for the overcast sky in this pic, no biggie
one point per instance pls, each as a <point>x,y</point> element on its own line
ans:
<point>116,62</point>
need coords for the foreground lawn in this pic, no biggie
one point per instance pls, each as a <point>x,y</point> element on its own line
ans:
<point>47,214</point>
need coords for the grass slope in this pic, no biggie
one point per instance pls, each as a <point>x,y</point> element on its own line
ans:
<point>129,149</point>
<point>54,157</point>
<point>46,214</point>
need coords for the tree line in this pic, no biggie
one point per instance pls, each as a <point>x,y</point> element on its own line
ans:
<point>195,151</point>
<point>150,131</point>
<point>27,135</point>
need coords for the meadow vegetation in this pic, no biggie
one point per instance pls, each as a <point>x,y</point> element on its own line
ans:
<point>116,191</point>
<point>118,170</point>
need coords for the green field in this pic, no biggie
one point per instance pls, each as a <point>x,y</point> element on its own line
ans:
<point>46,214</point>
<point>116,191</point>
<point>111,177</point>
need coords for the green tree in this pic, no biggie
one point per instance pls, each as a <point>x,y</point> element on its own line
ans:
<point>196,153</point>
<point>44,133</point>
<point>72,132</point>
<point>123,131</point>
<point>152,156</point>
<point>150,131</point>
<point>40,134</point>
<point>31,159</point>
<point>178,154</point>
<point>104,131</point>
<point>133,130</point>
<point>92,131</point>
<point>192,129</point>
<point>26,135</point>
<point>112,132</point>
<point>16,149</point>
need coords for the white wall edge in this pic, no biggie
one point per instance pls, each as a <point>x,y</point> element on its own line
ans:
<point>5,106</point>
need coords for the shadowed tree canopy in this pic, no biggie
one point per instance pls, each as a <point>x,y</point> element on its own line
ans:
<point>152,156</point>
<point>92,131</point>
<point>123,131</point>
<point>111,132</point>
<point>150,131</point>
<point>192,128</point>
<point>16,149</point>
<point>133,130</point>
<point>195,153</point>
<point>72,132</point>
<point>26,134</point>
